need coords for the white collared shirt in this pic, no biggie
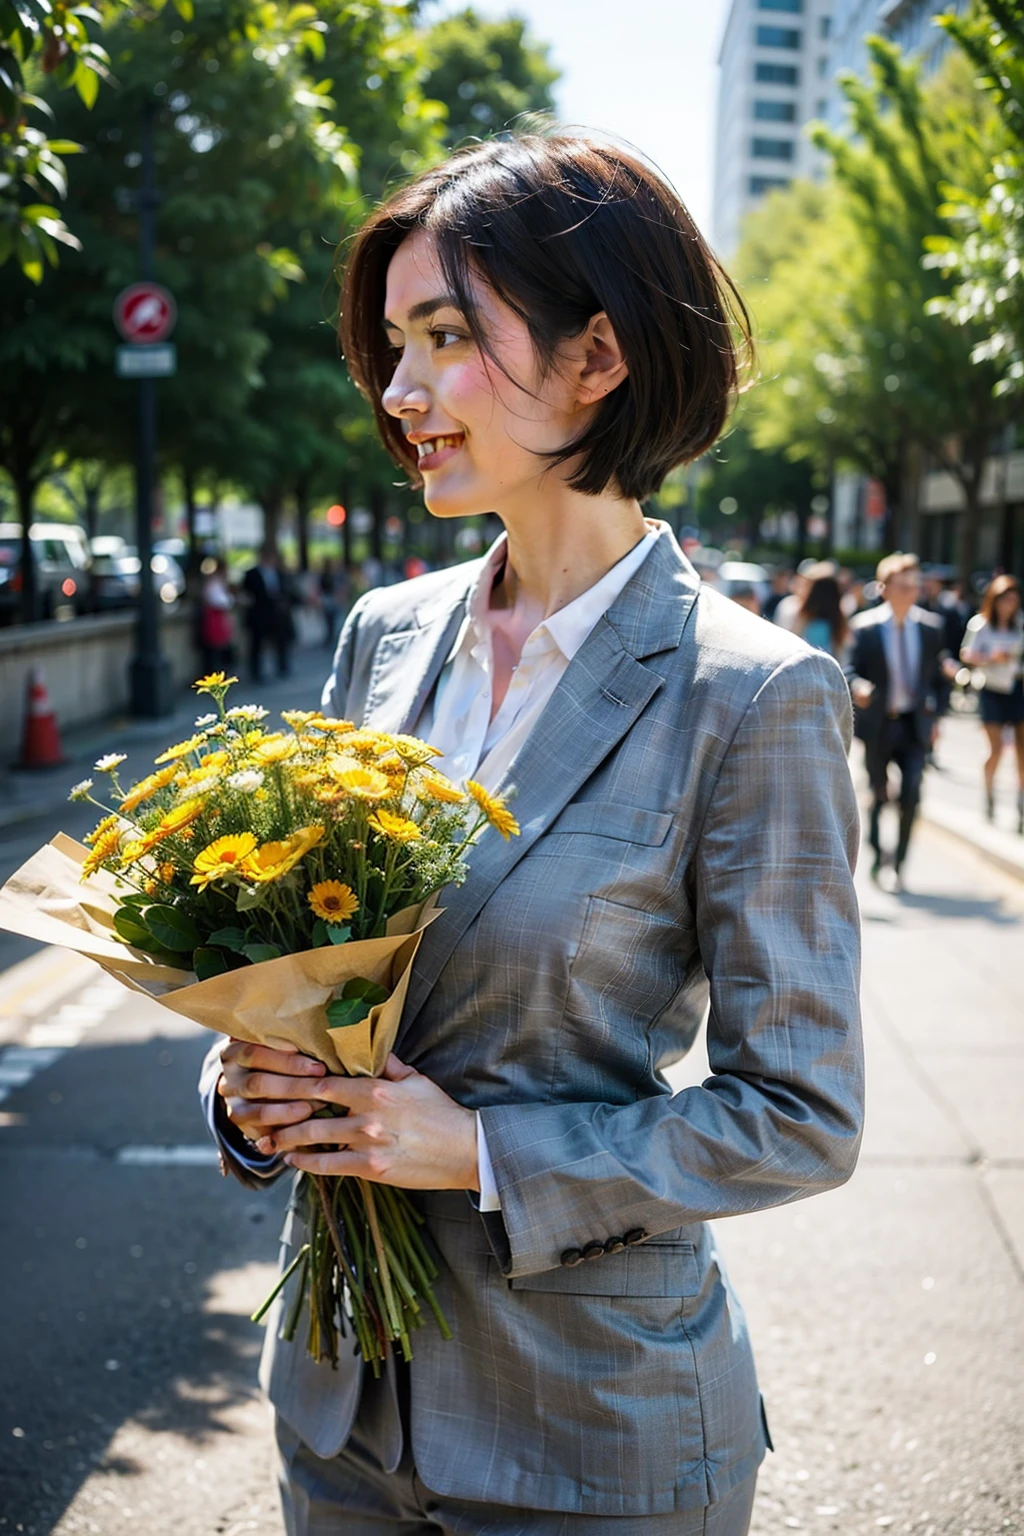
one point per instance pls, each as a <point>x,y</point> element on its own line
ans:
<point>459,723</point>
<point>902,689</point>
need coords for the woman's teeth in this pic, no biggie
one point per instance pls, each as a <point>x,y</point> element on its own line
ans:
<point>434,444</point>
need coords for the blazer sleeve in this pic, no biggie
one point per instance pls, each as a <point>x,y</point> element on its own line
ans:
<point>777,924</point>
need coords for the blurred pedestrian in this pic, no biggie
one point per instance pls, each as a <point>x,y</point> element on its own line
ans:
<point>786,613</point>
<point>216,617</point>
<point>820,618</point>
<point>782,580</point>
<point>994,644</point>
<point>747,597</point>
<point>269,614</point>
<point>331,591</point>
<point>894,667</point>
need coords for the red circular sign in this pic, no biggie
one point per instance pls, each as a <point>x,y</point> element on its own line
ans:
<point>145,312</point>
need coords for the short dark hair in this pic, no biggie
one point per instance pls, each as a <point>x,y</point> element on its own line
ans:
<point>561,226</point>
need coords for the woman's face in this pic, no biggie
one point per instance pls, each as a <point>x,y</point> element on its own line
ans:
<point>1006,607</point>
<point>477,433</point>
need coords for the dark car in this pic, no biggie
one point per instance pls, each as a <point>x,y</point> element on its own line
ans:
<point>61,555</point>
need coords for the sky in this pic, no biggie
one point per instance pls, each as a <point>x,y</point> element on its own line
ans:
<point>644,70</point>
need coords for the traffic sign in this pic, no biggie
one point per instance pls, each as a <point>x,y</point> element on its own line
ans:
<point>139,362</point>
<point>145,312</point>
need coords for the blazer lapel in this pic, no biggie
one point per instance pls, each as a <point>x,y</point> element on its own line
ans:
<point>602,692</point>
<point>407,663</point>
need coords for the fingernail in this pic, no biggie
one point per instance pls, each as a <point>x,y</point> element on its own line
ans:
<point>266,1143</point>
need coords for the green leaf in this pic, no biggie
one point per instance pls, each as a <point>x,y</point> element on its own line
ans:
<point>338,933</point>
<point>247,898</point>
<point>129,925</point>
<point>229,938</point>
<point>358,996</point>
<point>65,147</point>
<point>207,963</point>
<point>172,928</point>
<point>86,84</point>
<point>257,953</point>
<point>320,934</point>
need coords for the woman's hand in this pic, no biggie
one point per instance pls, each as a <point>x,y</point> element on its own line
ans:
<point>263,1088</point>
<point>400,1129</point>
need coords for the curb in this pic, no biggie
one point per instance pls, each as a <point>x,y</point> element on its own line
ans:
<point>989,846</point>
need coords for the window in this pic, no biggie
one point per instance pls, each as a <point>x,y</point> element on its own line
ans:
<point>825,26</point>
<point>776,74</point>
<point>761,184</point>
<point>822,108</point>
<point>775,111</point>
<point>772,149</point>
<point>795,6</point>
<point>777,37</point>
<point>823,66</point>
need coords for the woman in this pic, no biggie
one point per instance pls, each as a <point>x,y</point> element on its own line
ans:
<point>820,618</point>
<point>543,334</point>
<point>994,642</point>
<point>216,623</point>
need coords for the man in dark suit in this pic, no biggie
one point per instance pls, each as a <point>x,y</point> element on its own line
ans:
<point>896,673</point>
<point>269,612</point>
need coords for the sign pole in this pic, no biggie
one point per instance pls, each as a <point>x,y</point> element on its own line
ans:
<point>152,688</point>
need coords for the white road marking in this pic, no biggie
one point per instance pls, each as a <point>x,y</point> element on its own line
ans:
<point>54,1036</point>
<point>30,991</point>
<point>184,1156</point>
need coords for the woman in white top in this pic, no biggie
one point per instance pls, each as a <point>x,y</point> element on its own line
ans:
<point>994,642</point>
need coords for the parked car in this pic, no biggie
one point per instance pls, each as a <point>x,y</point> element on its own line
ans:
<point>61,556</point>
<point>115,575</point>
<point>735,575</point>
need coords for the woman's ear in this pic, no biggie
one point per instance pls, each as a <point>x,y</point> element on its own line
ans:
<point>601,364</point>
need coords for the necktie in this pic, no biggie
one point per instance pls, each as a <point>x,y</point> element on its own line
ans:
<point>904,697</point>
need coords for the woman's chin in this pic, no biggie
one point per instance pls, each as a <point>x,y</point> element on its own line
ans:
<point>452,503</point>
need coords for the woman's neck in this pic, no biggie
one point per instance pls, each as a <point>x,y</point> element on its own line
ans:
<point>557,553</point>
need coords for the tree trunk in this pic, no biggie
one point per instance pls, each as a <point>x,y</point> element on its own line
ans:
<point>25,491</point>
<point>273,506</point>
<point>967,553</point>
<point>188,490</point>
<point>302,523</point>
<point>378,512</point>
<point>91,510</point>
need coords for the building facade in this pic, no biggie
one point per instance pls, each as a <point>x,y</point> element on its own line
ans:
<point>774,75</point>
<point>908,23</point>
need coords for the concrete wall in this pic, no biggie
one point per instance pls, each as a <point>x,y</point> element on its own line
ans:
<point>85,664</point>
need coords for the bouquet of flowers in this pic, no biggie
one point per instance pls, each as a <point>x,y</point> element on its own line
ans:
<point>274,885</point>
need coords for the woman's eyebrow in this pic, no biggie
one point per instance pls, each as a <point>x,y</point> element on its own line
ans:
<point>427,307</point>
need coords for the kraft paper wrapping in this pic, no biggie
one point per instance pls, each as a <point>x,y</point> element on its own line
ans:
<point>278,1002</point>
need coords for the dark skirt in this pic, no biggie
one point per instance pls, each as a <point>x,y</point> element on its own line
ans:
<point>1003,708</point>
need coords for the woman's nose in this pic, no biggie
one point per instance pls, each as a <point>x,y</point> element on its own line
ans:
<point>405,395</point>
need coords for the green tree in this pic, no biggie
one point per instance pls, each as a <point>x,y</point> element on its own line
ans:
<point>487,73</point>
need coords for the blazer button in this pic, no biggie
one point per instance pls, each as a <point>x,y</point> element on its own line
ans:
<point>637,1235</point>
<point>594,1251</point>
<point>571,1257</point>
<point>614,1245</point>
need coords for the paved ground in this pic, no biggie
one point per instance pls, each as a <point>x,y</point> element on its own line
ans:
<point>888,1316</point>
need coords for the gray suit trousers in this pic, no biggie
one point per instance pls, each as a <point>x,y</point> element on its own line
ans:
<point>352,1494</point>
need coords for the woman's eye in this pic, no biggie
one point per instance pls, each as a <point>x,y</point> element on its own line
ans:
<point>442,339</point>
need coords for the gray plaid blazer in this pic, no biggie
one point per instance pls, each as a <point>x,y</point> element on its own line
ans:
<point>688,833</point>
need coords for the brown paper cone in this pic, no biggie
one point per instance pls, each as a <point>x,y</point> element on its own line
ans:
<point>275,1003</point>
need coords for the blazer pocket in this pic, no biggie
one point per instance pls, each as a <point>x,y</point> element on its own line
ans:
<point>647,1269</point>
<point>606,818</point>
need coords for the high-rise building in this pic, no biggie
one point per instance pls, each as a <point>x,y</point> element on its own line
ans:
<point>908,23</point>
<point>774,75</point>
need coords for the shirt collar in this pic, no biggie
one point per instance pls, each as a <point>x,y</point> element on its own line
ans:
<point>571,625</point>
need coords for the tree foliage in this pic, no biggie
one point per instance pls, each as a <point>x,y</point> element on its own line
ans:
<point>487,74</point>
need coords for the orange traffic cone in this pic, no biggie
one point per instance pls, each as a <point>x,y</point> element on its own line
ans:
<point>40,741</point>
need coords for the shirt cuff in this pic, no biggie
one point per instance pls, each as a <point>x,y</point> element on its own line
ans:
<point>489,1198</point>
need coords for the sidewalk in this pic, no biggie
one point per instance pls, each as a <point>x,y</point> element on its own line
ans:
<point>953,800</point>
<point>26,795</point>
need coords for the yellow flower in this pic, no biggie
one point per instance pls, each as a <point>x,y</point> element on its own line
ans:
<point>150,887</point>
<point>214,760</point>
<point>367,743</point>
<point>363,783</point>
<point>414,750</point>
<point>166,872</point>
<point>273,860</point>
<point>182,749</point>
<point>146,788</point>
<point>325,723</point>
<point>213,682</point>
<point>495,809</point>
<point>102,849</point>
<point>226,856</point>
<point>435,786</point>
<point>105,826</point>
<point>275,749</point>
<point>333,901</point>
<point>297,718</point>
<point>133,851</point>
<point>177,821</point>
<point>398,828</point>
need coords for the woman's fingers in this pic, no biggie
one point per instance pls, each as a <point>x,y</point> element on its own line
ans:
<point>264,1058</point>
<point>346,1131</point>
<point>261,1119</point>
<point>270,1086</point>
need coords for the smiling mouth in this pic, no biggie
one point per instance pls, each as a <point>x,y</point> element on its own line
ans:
<point>432,445</point>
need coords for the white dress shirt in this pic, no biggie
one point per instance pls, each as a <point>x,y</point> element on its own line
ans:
<point>458,720</point>
<point>903,679</point>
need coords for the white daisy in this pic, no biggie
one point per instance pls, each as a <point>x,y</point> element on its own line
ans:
<point>206,720</point>
<point>110,762</point>
<point>80,790</point>
<point>245,782</point>
<point>253,712</point>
